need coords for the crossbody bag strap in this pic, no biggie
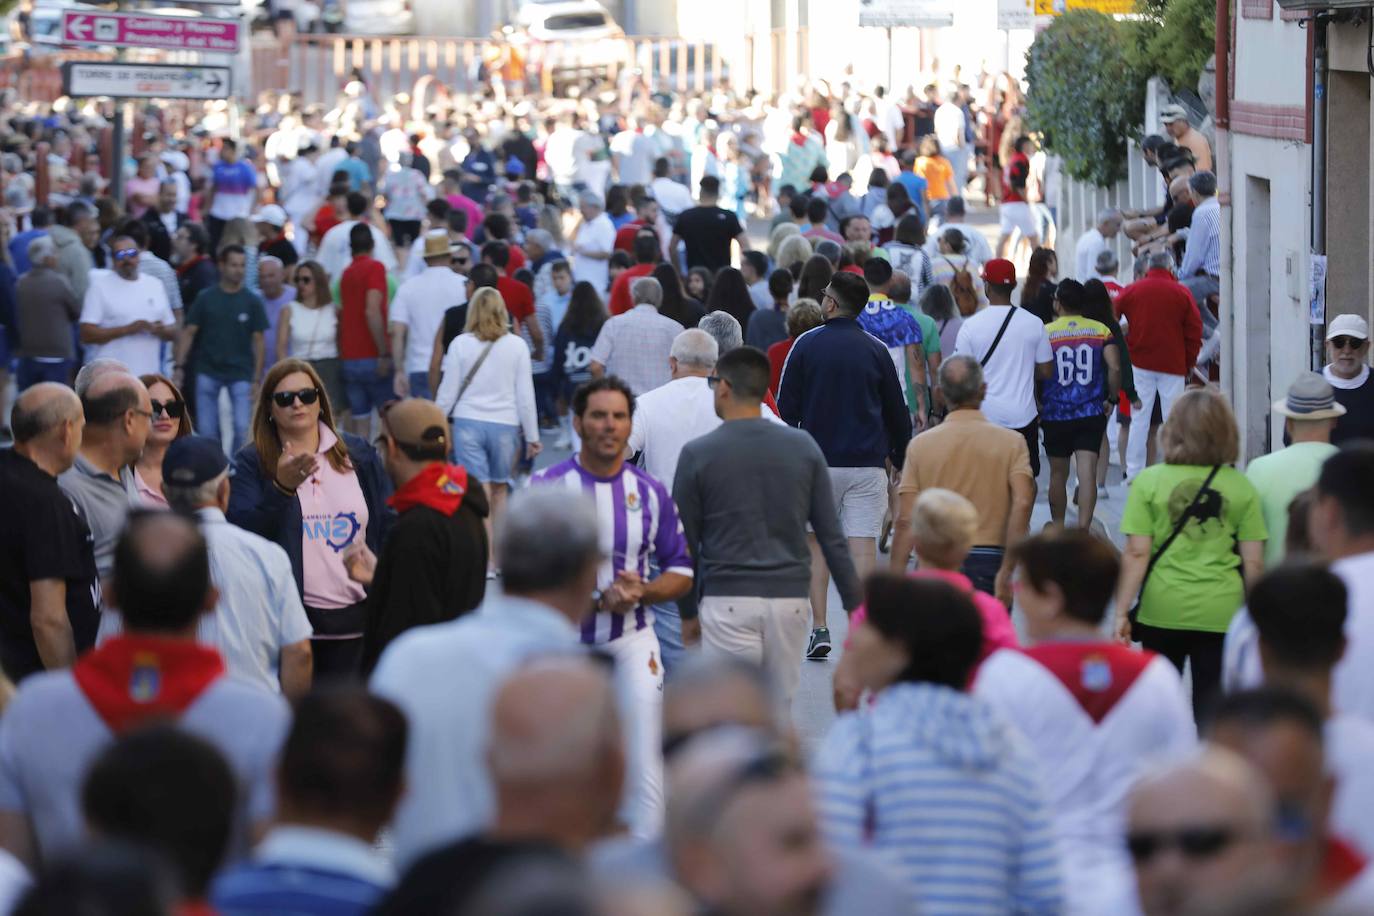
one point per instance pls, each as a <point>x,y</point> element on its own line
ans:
<point>467,379</point>
<point>998,339</point>
<point>1178,526</point>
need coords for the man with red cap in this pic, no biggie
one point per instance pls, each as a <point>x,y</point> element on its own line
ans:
<point>1012,347</point>
<point>434,561</point>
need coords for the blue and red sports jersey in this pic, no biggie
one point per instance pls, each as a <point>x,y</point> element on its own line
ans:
<point>1079,385</point>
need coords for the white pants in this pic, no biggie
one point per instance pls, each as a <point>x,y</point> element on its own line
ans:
<point>639,682</point>
<point>1147,384</point>
<point>766,631</point>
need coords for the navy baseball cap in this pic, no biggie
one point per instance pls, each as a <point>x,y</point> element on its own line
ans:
<point>193,460</point>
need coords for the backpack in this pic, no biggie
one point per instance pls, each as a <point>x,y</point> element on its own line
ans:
<point>961,286</point>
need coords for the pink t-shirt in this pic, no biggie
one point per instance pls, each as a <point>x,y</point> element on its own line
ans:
<point>150,498</point>
<point>333,516</point>
<point>998,632</point>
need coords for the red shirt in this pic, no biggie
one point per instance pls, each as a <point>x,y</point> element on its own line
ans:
<point>363,274</point>
<point>325,219</point>
<point>519,298</point>
<point>517,260</point>
<point>621,302</point>
<point>625,235</point>
<point>777,356</point>
<point>1019,166</point>
<point>1165,332</point>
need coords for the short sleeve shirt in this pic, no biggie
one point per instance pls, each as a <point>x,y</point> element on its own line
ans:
<point>519,298</point>
<point>891,324</point>
<point>1010,372</point>
<point>41,537</point>
<point>1079,385</point>
<point>1196,584</point>
<point>707,233</point>
<point>363,274</point>
<point>234,185</point>
<point>111,302</point>
<point>226,323</point>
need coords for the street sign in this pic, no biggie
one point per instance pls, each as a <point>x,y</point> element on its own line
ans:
<point>1059,7</point>
<point>85,79</point>
<point>1015,14</point>
<point>920,14</point>
<point>135,30</point>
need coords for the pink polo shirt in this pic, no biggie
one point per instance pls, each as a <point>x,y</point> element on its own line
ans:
<point>333,516</point>
<point>147,496</point>
<point>998,632</point>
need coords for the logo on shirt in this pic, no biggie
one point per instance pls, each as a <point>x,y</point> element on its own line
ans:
<point>1096,674</point>
<point>337,531</point>
<point>145,681</point>
<point>243,317</point>
<point>633,502</point>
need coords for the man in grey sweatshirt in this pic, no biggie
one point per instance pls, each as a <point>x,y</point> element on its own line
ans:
<point>744,494</point>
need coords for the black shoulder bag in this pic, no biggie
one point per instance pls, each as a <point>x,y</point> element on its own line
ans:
<point>1179,525</point>
<point>1011,310</point>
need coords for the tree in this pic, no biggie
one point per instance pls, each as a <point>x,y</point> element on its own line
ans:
<point>1087,94</point>
<point>1176,39</point>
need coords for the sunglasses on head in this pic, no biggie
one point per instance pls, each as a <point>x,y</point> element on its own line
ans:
<point>173,409</point>
<point>125,254</point>
<point>287,398</point>
<point>1346,343</point>
<point>1191,842</point>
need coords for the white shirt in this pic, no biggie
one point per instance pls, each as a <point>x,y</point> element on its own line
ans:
<point>1089,764</point>
<point>760,296</point>
<point>502,388</point>
<point>335,252</point>
<point>559,154</point>
<point>314,333</point>
<point>1352,689</point>
<point>300,185</point>
<point>326,166</point>
<point>419,305</point>
<point>111,302</point>
<point>1090,245</point>
<point>295,845</point>
<point>444,677</point>
<point>1346,383</point>
<point>597,235</point>
<point>634,156</point>
<point>1349,750</point>
<point>1010,374</point>
<point>673,197</point>
<point>949,125</point>
<point>976,247</point>
<point>669,417</point>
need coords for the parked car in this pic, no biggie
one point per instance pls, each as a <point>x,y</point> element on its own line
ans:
<point>572,38</point>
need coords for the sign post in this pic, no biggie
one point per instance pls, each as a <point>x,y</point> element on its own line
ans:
<point>120,80</point>
<point>135,30</point>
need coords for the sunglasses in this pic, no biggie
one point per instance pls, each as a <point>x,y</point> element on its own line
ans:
<point>125,254</point>
<point>173,409</point>
<point>287,398</point>
<point>1192,842</point>
<point>1347,343</point>
<point>304,279</point>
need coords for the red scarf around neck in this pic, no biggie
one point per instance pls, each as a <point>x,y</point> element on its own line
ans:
<point>135,678</point>
<point>439,486</point>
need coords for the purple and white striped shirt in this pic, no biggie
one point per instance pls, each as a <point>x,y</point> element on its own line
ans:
<point>639,523</point>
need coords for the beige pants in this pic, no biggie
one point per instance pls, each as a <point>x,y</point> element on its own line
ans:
<point>767,631</point>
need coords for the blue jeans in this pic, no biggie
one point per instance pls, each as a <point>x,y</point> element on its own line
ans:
<point>545,395</point>
<point>207,408</point>
<point>668,629</point>
<point>419,385</point>
<point>486,449</point>
<point>31,372</point>
<point>364,389</point>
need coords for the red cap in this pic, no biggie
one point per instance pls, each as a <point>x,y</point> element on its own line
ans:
<point>1000,271</point>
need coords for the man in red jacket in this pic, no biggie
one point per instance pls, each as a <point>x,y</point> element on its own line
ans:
<point>1164,336</point>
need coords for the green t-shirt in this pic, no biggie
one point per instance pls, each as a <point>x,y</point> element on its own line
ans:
<point>1197,584</point>
<point>930,343</point>
<point>226,323</point>
<point>1280,477</point>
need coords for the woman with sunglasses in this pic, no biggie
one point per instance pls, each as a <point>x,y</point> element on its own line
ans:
<point>315,491</point>
<point>308,328</point>
<point>1120,711</point>
<point>170,422</point>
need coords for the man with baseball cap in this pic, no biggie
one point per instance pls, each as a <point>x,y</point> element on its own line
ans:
<point>1012,347</point>
<point>1347,349</point>
<point>258,624</point>
<point>417,312</point>
<point>1176,123</point>
<point>1311,413</point>
<point>271,221</point>
<point>433,566</point>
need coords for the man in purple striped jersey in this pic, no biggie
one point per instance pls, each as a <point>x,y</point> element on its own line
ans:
<point>639,525</point>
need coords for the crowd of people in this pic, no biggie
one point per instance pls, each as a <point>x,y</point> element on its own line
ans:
<point>297,616</point>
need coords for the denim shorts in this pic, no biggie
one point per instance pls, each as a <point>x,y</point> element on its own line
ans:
<point>487,450</point>
<point>366,390</point>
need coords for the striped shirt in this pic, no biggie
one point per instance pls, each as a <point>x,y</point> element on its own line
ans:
<point>635,346</point>
<point>945,788</point>
<point>639,526</point>
<point>1204,242</point>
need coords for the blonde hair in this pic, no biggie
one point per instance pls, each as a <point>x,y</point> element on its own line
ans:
<point>1201,430</point>
<point>794,248</point>
<point>945,525</point>
<point>779,234</point>
<point>487,315</point>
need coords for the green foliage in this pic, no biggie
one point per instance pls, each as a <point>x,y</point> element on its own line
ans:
<point>1178,36</point>
<point>1087,97</point>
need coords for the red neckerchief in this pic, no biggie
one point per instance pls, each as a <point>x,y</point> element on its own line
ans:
<point>187,265</point>
<point>439,486</point>
<point>195,908</point>
<point>799,138</point>
<point>1341,864</point>
<point>133,678</point>
<point>279,238</point>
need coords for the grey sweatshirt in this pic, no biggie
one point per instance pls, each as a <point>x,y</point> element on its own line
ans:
<point>744,493</point>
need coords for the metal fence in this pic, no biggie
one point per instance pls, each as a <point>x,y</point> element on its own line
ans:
<point>318,66</point>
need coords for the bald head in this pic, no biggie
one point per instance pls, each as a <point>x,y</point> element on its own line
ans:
<point>961,380</point>
<point>41,409</point>
<point>110,396</point>
<point>161,577</point>
<point>707,692</point>
<point>1178,188</point>
<point>94,370</point>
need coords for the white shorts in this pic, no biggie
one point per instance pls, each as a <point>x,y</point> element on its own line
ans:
<point>1017,216</point>
<point>860,500</point>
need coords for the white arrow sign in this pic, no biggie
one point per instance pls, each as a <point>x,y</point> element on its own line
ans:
<point>145,81</point>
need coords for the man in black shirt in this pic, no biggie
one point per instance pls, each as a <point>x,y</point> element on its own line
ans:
<point>433,566</point>
<point>708,230</point>
<point>47,557</point>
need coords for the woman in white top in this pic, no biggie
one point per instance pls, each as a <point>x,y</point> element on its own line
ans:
<point>487,390</point>
<point>308,328</point>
